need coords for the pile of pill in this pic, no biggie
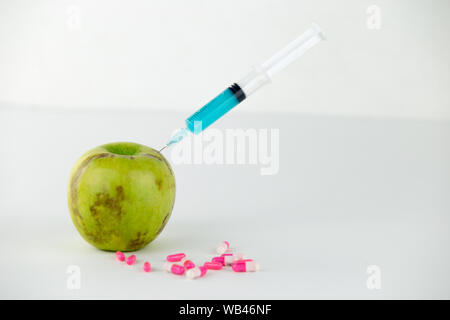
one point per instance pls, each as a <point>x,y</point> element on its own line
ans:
<point>131,260</point>
<point>179,265</point>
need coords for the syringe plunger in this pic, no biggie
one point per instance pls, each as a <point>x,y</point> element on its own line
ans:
<point>263,74</point>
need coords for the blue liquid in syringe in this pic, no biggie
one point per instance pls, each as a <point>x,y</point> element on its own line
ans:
<point>210,112</point>
<point>215,109</point>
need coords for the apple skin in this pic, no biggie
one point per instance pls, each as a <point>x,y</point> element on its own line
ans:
<point>121,195</point>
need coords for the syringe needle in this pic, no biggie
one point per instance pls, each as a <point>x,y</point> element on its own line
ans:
<point>176,137</point>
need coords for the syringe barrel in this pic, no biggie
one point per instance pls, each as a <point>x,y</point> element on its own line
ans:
<point>258,77</point>
<point>215,109</point>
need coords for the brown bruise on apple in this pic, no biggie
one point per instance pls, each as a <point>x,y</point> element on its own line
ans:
<point>112,204</point>
<point>74,182</point>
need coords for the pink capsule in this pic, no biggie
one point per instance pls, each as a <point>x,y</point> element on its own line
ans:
<point>175,257</point>
<point>120,256</point>
<point>147,267</point>
<point>218,260</point>
<point>188,264</point>
<point>245,266</point>
<point>177,269</point>
<point>223,247</point>
<point>196,272</point>
<point>229,258</point>
<point>131,259</point>
<point>213,265</point>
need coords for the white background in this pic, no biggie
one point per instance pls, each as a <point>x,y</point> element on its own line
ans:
<point>364,133</point>
<point>173,55</point>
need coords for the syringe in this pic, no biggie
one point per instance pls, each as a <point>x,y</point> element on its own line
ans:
<point>242,89</point>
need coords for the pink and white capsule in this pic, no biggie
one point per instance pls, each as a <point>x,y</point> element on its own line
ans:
<point>213,265</point>
<point>131,259</point>
<point>223,247</point>
<point>229,258</point>
<point>173,268</point>
<point>120,256</point>
<point>147,267</point>
<point>196,272</point>
<point>245,266</point>
<point>168,265</point>
<point>188,264</point>
<point>175,257</point>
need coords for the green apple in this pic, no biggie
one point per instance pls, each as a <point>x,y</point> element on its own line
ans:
<point>121,195</point>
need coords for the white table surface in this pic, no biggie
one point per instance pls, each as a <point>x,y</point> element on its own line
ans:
<point>351,192</point>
